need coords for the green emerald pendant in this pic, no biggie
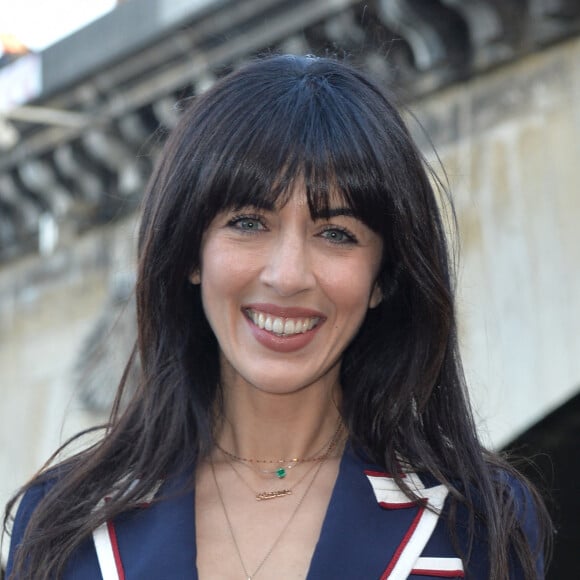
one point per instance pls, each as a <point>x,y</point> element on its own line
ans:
<point>280,473</point>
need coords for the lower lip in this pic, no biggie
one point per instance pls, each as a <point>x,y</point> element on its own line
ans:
<point>282,343</point>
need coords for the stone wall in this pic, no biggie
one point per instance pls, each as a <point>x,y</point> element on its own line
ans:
<point>510,141</point>
<point>47,307</point>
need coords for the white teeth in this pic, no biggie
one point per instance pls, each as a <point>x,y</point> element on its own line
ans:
<point>282,326</point>
<point>278,326</point>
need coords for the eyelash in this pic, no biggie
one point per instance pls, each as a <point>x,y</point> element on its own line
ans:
<point>235,222</point>
<point>350,237</point>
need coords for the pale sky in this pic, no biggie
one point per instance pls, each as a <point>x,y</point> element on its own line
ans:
<point>40,23</point>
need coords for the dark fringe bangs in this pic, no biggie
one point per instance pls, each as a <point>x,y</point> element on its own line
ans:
<point>300,133</point>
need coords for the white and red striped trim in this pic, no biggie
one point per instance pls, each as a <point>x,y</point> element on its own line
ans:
<point>389,495</point>
<point>108,555</point>
<point>439,567</point>
<point>105,539</point>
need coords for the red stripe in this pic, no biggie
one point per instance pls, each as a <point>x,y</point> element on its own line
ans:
<point>116,553</point>
<point>382,474</point>
<point>398,505</point>
<point>439,573</point>
<point>403,543</point>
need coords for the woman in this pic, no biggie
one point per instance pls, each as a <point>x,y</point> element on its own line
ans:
<point>298,342</point>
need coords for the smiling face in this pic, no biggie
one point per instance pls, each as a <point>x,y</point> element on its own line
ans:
<point>286,294</point>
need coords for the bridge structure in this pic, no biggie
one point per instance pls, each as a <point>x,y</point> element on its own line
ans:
<point>494,83</point>
<point>77,119</point>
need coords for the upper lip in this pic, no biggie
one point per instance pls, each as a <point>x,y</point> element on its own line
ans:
<point>283,311</point>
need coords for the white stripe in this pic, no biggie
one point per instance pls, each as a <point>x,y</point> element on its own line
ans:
<point>411,552</point>
<point>386,489</point>
<point>105,553</point>
<point>443,564</point>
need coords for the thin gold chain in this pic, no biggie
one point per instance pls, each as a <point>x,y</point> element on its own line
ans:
<point>276,494</point>
<point>318,455</point>
<point>278,537</point>
<point>282,470</point>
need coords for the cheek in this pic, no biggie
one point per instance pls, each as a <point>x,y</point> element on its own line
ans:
<point>226,274</point>
<point>229,258</point>
<point>219,266</point>
<point>215,281</point>
<point>349,288</point>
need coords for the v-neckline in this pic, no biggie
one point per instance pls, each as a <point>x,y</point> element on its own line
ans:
<point>361,534</point>
<point>322,527</point>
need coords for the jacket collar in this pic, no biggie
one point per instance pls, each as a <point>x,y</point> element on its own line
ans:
<point>154,540</point>
<point>368,515</point>
<point>371,517</point>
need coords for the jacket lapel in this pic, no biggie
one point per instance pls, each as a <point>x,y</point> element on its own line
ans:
<point>153,541</point>
<point>369,517</point>
<point>390,497</point>
<point>371,530</point>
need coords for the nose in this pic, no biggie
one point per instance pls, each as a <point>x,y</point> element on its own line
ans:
<point>288,269</point>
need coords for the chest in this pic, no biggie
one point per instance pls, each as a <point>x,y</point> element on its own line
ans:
<point>239,537</point>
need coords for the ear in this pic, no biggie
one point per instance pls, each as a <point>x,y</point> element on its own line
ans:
<point>376,296</point>
<point>195,277</point>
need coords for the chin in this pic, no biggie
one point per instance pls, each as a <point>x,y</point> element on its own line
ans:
<point>278,386</point>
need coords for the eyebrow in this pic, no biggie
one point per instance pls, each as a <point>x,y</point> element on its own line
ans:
<point>322,214</point>
<point>335,212</point>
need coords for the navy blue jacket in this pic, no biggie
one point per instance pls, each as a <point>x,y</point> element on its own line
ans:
<point>371,531</point>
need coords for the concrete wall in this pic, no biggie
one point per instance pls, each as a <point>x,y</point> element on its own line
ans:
<point>510,141</point>
<point>47,308</point>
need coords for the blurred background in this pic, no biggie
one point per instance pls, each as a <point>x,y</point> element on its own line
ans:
<point>88,92</point>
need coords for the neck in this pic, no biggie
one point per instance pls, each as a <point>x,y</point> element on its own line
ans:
<point>270,426</point>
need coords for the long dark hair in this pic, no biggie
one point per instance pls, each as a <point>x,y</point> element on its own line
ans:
<point>244,142</point>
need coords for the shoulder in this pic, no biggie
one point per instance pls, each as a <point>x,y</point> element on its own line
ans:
<point>518,513</point>
<point>521,504</point>
<point>82,563</point>
<point>28,504</point>
<point>136,533</point>
<point>519,495</point>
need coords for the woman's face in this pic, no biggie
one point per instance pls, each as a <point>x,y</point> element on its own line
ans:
<point>285,294</point>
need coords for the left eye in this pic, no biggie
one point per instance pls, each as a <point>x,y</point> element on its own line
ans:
<point>247,224</point>
<point>337,236</point>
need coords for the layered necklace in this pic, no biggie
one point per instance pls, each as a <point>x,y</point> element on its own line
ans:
<point>318,460</point>
<point>282,466</point>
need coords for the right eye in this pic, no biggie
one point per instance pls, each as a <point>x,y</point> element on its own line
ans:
<point>247,223</point>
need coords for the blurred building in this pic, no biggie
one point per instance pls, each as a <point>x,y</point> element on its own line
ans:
<point>494,83</point>
<point>10,49</point>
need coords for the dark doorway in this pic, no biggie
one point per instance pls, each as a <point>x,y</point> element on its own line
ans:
<point>553,446</point>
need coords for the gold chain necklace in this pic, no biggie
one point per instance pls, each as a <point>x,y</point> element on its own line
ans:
<point>278,538</point>
<point>278,493</point>
<point>275,493</point>
<point>285,465</point>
